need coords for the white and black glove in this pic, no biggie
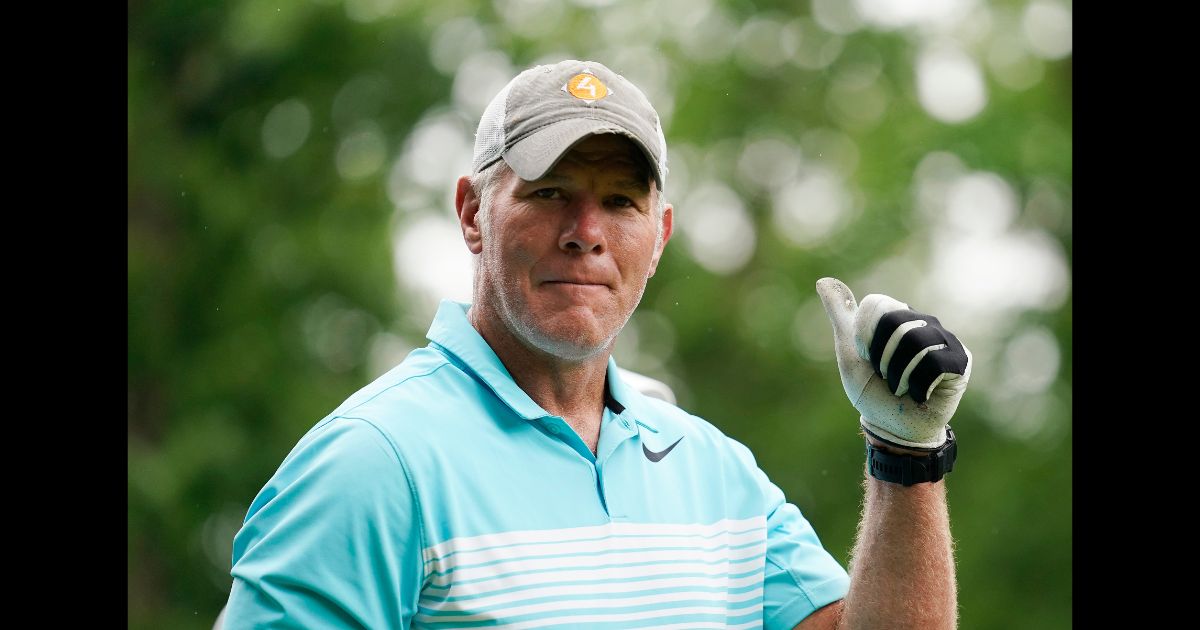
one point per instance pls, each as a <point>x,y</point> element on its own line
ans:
<point>902,371</point>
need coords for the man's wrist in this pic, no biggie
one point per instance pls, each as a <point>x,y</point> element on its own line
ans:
<point>895,463</point>
<point>905,435</point>
<point>893,448</point>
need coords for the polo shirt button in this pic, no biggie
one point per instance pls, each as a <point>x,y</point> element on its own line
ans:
<point>553,428</point>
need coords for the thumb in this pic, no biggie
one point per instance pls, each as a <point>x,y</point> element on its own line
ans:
<point>842,311</point>
<point>840,306</point>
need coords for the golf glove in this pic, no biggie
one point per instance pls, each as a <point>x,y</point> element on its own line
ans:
<point>902,371</point>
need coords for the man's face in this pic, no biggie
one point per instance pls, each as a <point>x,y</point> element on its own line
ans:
<point>565,258</point>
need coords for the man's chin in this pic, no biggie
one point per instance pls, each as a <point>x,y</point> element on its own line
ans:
<point>568,345</point>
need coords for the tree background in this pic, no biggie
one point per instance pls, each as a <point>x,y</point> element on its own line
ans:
<point>291,230</point>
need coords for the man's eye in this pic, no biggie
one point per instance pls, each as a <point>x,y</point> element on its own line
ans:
<point>621,201</point>
<point>546,193</point>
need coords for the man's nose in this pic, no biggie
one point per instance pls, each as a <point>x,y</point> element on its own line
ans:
<point>583,231</point>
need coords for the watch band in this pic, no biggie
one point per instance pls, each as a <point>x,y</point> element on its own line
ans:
<point>911,469</point>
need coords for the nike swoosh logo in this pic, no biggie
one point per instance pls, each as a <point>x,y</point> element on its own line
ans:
<point>652,456</point>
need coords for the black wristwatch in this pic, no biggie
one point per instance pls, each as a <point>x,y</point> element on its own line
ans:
<point>910,469</point>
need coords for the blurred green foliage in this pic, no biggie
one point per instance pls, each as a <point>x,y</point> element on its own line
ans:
<point>263,213</point>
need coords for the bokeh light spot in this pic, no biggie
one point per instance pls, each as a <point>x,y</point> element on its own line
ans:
<point>480,77</point>
<point>371,10</point>
<point>816,49</point>
<point>769,162</point>
<point>530,18</point>
<point>893,14</point>
<point>430,258</point>
<point>437,152</point>
<point>711,39</point>
<point>453,41</point>
<point>646,343</point>
<point>812,207</point>
<point>837,16</point>
<point>361,98</point>
<point>832,147</point>
<point>1011,272</point>
<point>285,128</point>
<point>981,204</point>
<point>1031,361</point>
<point>336,332</point>
<point>856,104</point>
<point>949,84</point>
<point>718,231</point>
<point>386,350</point>
<point>1047,27</point>
<point>361,153</point>
<point>1011,65</point>
<point>763,45</point>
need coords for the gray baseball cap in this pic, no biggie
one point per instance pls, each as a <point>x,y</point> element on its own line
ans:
<point>546,110</point>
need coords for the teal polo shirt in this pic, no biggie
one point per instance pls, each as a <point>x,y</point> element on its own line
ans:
<point>442,496</point>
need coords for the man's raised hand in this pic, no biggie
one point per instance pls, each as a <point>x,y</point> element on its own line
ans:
<point>902,371</point>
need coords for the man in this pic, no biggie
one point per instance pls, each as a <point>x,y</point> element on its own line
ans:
<point>506,475</point>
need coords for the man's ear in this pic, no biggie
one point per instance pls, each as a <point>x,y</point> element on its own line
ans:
<point>466,203</point>
<point>668,225</point>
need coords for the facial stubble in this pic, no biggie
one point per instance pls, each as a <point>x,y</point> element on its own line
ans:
<point>510,306</point>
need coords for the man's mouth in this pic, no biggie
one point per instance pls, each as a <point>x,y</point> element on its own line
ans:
<point>581,284</point>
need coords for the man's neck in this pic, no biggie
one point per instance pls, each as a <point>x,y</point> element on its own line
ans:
<point>572,390</point>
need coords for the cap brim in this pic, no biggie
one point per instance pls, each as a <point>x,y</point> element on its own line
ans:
<point>537,153</point>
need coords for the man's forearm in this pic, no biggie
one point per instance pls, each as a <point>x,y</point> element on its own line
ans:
<point>902,568</point>
<point>905,374</point>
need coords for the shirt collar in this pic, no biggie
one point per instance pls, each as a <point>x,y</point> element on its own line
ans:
<point>629,401</point>
<point>464,346</point>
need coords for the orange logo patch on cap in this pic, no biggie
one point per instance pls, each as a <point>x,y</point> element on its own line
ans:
<point>585,86</point>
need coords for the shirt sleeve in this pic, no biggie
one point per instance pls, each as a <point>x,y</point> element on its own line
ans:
<point>801,576</point>
<point>333,540</point>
